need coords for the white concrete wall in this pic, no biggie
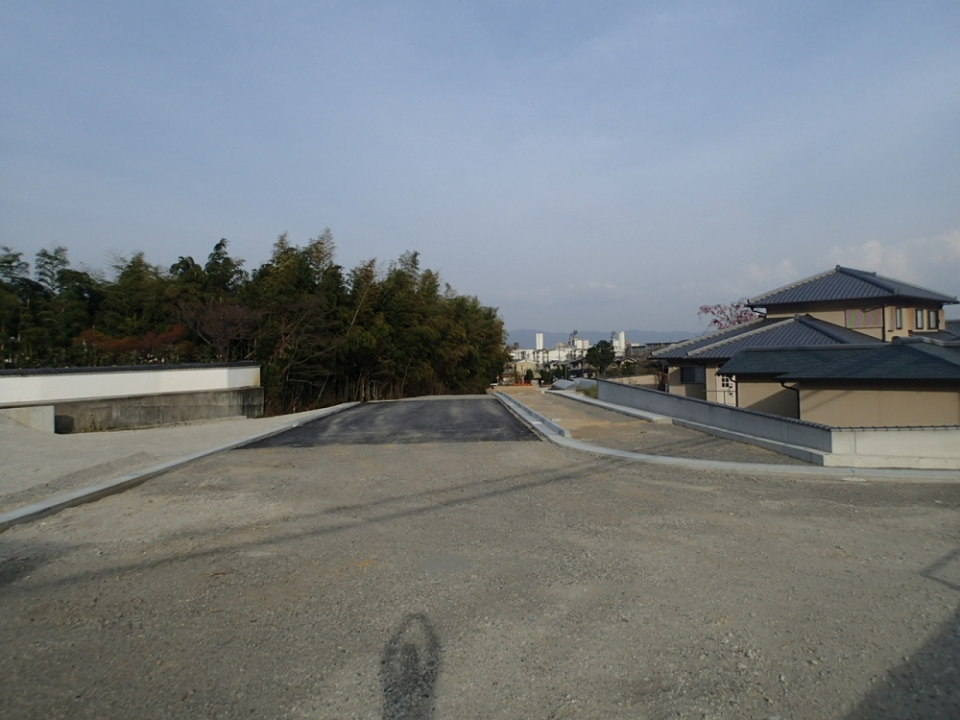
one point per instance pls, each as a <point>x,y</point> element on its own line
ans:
<point>897,447</point>
<point>47,388</point>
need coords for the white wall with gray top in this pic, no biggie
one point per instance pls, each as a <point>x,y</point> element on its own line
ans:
<point>56,385</point>
<point>74,400</point>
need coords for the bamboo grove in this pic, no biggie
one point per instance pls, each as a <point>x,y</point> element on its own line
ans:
<point>321,334</point>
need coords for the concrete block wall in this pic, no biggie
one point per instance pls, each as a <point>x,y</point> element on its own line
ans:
<point>121,413</point>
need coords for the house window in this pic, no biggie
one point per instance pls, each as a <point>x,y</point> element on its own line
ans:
<point>726,382</point>
<point>692,375</point>
<point>933,319</point>
<point>899,318</point>
<point>870,318</point>
<point>919,319</point>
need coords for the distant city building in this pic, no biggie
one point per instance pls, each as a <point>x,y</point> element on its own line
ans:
<point>566,352</point>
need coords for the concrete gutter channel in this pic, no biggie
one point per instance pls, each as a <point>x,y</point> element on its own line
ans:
<point>560,436</point>
<point>125,482</point>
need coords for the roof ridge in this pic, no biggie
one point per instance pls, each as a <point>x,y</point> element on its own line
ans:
<point>914,285</point>
<point>789,286</point>
<point>684,343</point>
<point>756,331</point>
<point>872,278</point>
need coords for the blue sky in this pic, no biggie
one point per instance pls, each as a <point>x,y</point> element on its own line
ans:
<point>605,165</point>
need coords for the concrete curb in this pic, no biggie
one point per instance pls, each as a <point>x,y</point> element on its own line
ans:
<point>529,417</point>
<point>541,425</point>
<point>125,482</point>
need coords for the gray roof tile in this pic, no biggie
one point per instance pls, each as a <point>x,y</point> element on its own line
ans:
<point>909,360</point>
<point>798,331</point>
<point>847,284</point>
<point>681,349</point>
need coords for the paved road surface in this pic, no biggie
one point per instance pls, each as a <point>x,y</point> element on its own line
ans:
<point>482,580</point>
<point>473,419</point>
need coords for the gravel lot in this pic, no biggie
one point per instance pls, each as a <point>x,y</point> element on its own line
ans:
<point>483,580</point>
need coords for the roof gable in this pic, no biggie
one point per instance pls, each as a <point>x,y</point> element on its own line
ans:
<point>842,284</point>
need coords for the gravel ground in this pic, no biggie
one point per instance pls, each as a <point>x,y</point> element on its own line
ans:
<point>35,465</point>
<point>483,580</point>
<point>610,429</point>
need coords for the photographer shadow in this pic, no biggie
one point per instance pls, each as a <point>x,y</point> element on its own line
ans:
<point>408,670</point>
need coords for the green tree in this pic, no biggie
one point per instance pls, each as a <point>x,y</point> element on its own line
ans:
<point>48,266</point>
<point>601,356</point>
<point>12,266</point>
<point>224,274</point>
<point>136,301</point>
<point>297,296</point>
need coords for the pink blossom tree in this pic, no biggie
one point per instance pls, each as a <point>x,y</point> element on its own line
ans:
<point>725,316</point>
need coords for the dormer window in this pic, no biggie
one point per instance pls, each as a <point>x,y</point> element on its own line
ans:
<point>899,318</point>
<point>919,320</point>
<point>933,320</point>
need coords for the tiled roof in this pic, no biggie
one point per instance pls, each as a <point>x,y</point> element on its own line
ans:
<point>798,331</point>
<point>847,284</point>
<point>898,360</point>
<point>681,349</point>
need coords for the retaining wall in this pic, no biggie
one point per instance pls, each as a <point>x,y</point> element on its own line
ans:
<point>726,417</point>
<point>148,410</point>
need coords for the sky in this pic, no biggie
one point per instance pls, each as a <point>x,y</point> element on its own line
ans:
<point>605,165</point>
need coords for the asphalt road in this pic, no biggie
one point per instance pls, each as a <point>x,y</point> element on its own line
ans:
<point>483,580</point>
<point>430,420</point>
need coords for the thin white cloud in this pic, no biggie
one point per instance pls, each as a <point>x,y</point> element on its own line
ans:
<point>933,262</point>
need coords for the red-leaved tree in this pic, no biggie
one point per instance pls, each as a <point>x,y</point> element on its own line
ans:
<point>725,316</point>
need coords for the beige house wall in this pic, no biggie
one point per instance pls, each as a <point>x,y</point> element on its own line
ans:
<point>691,390</point>
<point>768,397</point>
<point>710,375</point>
<point>880,407</point>
<point>910,321</point>
<point>521,366</point>
<point>829,313</point>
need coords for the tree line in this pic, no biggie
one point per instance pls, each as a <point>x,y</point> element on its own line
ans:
<point>322,334</point>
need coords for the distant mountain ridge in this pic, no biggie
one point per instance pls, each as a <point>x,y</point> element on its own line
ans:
<point>528,338</point>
